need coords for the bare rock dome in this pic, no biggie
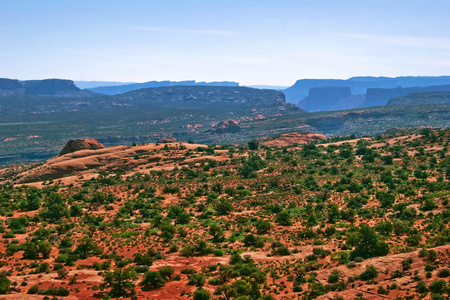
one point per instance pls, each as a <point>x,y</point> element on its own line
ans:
<point>81,144</point>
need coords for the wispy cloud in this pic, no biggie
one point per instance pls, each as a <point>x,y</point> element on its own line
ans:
<point>180,30</point>
<point>412,41</point>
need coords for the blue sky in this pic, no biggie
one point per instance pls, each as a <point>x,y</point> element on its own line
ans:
<point>252,42</point>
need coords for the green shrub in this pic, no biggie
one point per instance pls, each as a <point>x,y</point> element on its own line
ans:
<point>382,290</point>
<point>369,244</point>
<point>371,272</point>
<point>438,286</point>
<point>153,280</point>
<point>33,290</point>
<point>197,280</point>
<point>421,287</point>
<point>334,277</point>
<point>201,294</point>
<point>5,284</point>
<point>166,271</point>
<point>215,281</point>
<point>444,273</point>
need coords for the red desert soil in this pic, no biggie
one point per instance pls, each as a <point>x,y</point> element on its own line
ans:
<point>252,198</point>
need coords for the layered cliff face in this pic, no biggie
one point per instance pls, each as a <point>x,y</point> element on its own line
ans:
<point>377,97</point>
<point>359,85</point>
<point>46,87</point>
<point>324,98</point>
<point>336,98</point>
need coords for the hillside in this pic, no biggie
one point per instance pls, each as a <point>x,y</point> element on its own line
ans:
<point>37,132</point>
<point>230,99</point>
<point>421,99</point>
<point>34,128</point>
<point>336,219</point>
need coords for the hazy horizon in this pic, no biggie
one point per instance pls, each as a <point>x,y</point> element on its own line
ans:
<point>251,42</point>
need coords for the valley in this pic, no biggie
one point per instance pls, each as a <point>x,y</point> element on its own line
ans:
<point>35,127</point>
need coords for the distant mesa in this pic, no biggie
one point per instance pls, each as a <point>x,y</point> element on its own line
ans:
<point>93,84</point>
<point>11,87</point>
<point>359,86</point>
<point>52,87</point>
<point>167,139</point>
<point>81,144</point>
<point>227,126</point>
<point>46,87</point>
<point>330,98</point>
<point>377,97</point>
<point>291,139</point>
<point>268,87</point>
<point>10,84</point>
<point>124,88</point>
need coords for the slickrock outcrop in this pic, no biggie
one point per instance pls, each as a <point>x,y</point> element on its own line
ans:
<point>81,144</point>
<point>290,139</point>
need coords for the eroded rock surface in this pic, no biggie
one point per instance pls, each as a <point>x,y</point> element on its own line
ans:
<point>290,139</point>
<point>81,144</point>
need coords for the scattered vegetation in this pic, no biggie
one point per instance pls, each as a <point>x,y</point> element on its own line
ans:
<point>294,222</point>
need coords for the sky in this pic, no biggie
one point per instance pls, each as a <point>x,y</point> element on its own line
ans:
<point>249,41</point>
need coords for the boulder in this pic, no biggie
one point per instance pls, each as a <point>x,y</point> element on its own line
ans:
<point>227,126</point>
